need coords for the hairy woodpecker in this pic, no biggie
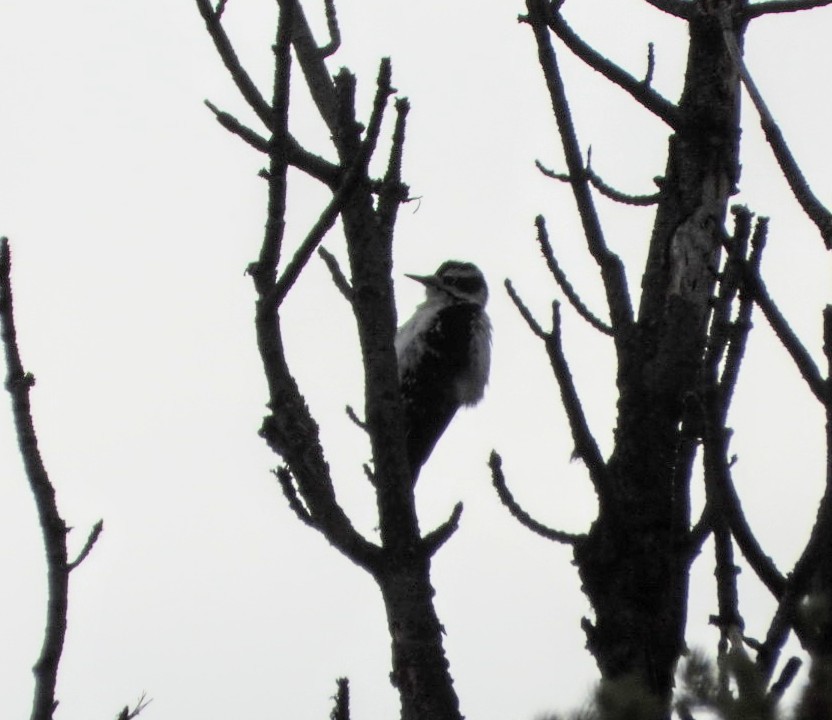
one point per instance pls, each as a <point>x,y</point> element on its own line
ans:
<point>444,354</point>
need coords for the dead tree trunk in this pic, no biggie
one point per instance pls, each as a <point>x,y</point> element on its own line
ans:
<point>678,356</point>
<point>633,564</point>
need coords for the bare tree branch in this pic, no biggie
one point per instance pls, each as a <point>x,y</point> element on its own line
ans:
<point>602,187</point>
<point>311,60</point>
<point>610,265</point>
<point>232,63</point>
<point>813,207</point>
<point>341,709</point>
<point>651,65</point>
<point>780,6</point>
<point>435,539</point>
<point>754,284</point>
<point>787,676</point>
<point>639,90</point>
<point>526,314</point>
<point>233,125</point>
<point>287,484</point>
<point>563,281</point>
<point>141,704</point>
<point>495,462</point>
<point>313,238</point>
<point>337,274</point>
<point>53,527</point>
<point>679,8</point>
<point>88,545</point>
<point>585,446</point>
<point>334,31</point>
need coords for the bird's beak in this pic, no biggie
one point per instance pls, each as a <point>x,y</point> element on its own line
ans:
<point>431,280</point>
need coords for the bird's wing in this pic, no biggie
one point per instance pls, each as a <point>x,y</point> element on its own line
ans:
<point>428,386</point>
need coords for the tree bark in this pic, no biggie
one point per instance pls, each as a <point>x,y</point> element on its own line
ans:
<point>633,564</point>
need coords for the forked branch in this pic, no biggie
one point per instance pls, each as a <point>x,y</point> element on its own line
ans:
<point>641,91</point>
<point>610,265</point>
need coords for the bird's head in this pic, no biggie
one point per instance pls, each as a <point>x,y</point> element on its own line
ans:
<point>455,281</point>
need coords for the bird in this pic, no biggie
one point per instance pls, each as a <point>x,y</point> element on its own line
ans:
<point>444,355</point>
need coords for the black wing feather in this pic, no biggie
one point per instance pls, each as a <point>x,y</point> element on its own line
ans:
<point>428,390</point>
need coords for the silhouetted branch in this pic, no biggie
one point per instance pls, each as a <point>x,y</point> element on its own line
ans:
<point>610,265</point>
<point>563,281</point>
<point>741,326</point>
<point>651,65</point>
<point>287,484</point>
<point>813,207</point>
<point>341,709</point>
<point>356,420</point>
<point>53,527</point>
<point>438,537</point>
<point>334,31</point>
<point>313,238</point>
<point>599,184</point>
<point>233,125</point>
<point>640,91</point>
<point>141,704</point>
<point>311,60</point>
<point>716,480</point>
<point>495,462</point>
<point>787,676</point>
<point>337,274</point>
<point>780,6</point>
<point>232,63</point>
<point>585,446</point>
<point>526,314</point>
<point>753,283</point>
<point>88,545</point>
<point>679,8</point>
<point>392,192</point>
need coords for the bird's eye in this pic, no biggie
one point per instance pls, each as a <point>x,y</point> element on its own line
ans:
<point>466,284</point>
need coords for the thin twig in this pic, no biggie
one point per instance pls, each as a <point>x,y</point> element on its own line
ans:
<point>337,274</point>
<point>88,545</point>
<point>435,539</point>
<point>787,676</point>
<point>495,462</point>
<point>341,709</point>
<point>141,704</point>
<point>790,168</point>
<point>586,448</point>
<point>334,31</point>
<point>742,324</point>
<point>287,484</point>
<point>754,284</point>
<point>563,281</point>
<point>392,191</point>
<point>645,95</point>
<point>780,6</point>
<point>233,125</point>
<point>651,65</point>
<point>678,8</point>
<point>232,63</point>
<point>610,265</point>
<point>602,187</point>
<point>313,238</point>
<point>526,314</point>
<point>351,414</point>
<point>53,527</point>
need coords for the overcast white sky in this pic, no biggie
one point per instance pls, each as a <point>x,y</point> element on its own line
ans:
<point>132,216</point>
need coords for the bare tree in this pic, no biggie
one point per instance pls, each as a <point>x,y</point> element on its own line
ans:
<point>678,355</point>
<point>400,563</point>
<point>679,351</point>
